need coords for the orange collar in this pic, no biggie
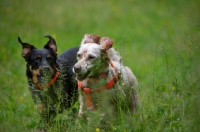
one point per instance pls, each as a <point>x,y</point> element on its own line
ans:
<point>49,83</point>
<point>107,86</point>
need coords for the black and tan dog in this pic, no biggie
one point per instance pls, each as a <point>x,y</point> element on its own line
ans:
<point>51,81</point>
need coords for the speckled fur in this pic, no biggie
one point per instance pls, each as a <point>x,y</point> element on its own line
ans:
<point>94,56</point>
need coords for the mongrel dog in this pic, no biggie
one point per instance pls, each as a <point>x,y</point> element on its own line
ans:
<point>104,82</point>
<point>51,81</point>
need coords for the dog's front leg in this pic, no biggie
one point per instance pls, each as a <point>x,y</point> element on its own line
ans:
<point>80,113</point>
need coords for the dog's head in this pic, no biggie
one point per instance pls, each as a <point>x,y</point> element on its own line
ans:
<point>92,56</point>
<point>41,63</point>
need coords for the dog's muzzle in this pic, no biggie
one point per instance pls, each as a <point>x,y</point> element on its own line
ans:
<point>77,69</point>
<point>80,75</point>
<point>46,70</point>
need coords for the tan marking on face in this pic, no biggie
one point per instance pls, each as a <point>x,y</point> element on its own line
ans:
<point>40,107</point>
<point>48,56</point>
<point>39,56</point>
<point>35,73</point>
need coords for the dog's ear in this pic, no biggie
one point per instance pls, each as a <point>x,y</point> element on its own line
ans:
<point>106,43</point>
<point>90,38</point>
<point>51,44</point>
<point>26,49</point>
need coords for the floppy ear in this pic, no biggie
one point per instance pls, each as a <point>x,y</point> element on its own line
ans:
<point>90,38</point>
<point>26,49</point>
<point>106,43</point>
<point>51,44</point>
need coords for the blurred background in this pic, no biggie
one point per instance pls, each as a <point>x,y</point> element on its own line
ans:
<point>158,40</point>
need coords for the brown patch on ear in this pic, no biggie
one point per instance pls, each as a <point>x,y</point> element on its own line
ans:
<point>90,38</point>
<point>26,48</point>
<point>40,107</point>
<point>26,51</point>
<point>51,44</point>
<point>35,73</point>
<point>106,43</point>
<point>54,48</point>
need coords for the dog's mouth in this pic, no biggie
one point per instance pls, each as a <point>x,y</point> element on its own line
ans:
<point>44,79</point>
<point>42,76</point>
<point>81,77</point>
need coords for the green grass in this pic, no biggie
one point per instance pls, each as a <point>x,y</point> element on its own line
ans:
<point>159,41</point>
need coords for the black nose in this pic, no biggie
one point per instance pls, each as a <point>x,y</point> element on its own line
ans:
<point>45,68</point>
<point>77,69</point>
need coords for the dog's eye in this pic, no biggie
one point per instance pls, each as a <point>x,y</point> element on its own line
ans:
<point>79,55</point>
<point>90,57</point>
<point>37,59</point>
<point>49,59</point>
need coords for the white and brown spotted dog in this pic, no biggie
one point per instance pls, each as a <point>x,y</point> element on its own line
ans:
<point>104,82</point>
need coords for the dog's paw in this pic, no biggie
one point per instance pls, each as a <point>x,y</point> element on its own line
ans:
<point>106,43</point>
<point>90,38</point>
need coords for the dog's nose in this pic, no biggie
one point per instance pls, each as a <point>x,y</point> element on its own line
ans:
<point>77,69</point>
<point>45,68</point>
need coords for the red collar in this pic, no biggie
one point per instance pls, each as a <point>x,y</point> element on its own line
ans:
<point>107,86</point>
<point>49,83</point>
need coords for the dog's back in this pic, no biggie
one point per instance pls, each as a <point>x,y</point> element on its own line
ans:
<point>66,62</point>
<point>114,56</point>
<point>128,81</point>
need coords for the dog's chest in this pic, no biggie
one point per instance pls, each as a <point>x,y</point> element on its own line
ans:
<point>47,94</point>
<point>96,83</point>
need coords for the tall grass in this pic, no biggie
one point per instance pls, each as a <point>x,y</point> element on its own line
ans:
<point>158,40</point>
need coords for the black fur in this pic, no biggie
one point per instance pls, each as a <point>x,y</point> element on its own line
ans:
<point>62,94</point>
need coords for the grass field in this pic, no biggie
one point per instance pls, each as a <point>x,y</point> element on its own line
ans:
<point>158,39</point>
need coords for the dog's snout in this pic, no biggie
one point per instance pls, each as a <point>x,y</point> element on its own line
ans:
<point>45,68</point>
<point>77,69</point>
